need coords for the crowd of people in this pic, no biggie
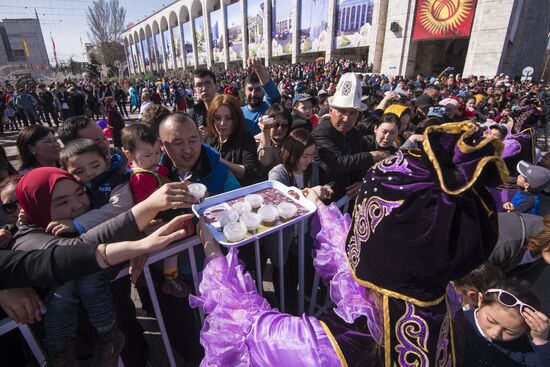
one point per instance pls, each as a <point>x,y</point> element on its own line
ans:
<point>427,163</point>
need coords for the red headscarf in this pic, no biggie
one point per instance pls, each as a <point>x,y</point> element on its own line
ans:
<point>34,193</point>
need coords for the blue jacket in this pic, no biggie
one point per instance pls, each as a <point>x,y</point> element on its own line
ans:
<point>526,202</point>
<point>272,96</point>
<point>208,170</point>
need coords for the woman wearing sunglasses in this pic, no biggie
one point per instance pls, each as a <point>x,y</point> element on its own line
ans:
<point>506,329</point>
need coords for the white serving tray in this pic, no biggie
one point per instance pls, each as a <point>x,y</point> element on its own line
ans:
<point>222,199</point>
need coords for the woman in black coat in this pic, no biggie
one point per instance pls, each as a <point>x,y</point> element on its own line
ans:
<point>227,133</point>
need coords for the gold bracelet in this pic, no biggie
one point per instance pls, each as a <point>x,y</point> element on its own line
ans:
<point>103,252</point>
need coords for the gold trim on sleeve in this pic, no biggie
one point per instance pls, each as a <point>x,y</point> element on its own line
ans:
<point>334,344</point>
<point>387,330</point>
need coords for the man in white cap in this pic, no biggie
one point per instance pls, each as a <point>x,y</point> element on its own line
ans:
<point>342,152</point>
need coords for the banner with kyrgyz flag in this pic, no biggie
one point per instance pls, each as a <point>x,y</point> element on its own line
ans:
<point>435,19</point>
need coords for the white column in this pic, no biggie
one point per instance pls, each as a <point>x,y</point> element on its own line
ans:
<point>331,29</point>
<point>378,33</point>
<point>207,35</point>
<point>244,24</point>
<point>225,34</point>
<point>295,21</point>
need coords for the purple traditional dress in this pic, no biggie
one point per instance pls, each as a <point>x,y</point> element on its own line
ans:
<point>422,218</point>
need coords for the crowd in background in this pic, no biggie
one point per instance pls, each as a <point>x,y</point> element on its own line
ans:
<point>228,129</point>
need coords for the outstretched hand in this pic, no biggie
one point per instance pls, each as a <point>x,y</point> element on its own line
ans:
<point>172,195</point>
<point>168,233</point>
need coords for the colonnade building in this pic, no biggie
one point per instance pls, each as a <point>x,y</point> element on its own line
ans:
<point>398,37</point>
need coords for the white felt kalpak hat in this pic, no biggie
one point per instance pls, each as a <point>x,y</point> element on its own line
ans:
<point>348,93</point>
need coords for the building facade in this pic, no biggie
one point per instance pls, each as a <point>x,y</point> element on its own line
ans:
<point>489,36</point>
<point>22,44</point>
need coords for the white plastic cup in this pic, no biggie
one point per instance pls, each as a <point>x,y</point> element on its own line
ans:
<point>252,221</point>
<point>269,215</point>
<point>255,201</point>
<point>242,207</point>
<point>287,211</point>
<point>198,190</point>
<point>227,216</point>
<point>234,231</point>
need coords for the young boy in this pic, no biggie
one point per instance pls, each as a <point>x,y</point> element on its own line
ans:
<point>302,112</point>
<point>107,186</point>
<point>532,180</point>
<point>142,149</point>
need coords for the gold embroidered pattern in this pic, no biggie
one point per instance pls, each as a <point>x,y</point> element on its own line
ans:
<point>412,333</point>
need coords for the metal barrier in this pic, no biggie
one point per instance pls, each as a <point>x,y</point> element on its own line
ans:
<point>188,244</point>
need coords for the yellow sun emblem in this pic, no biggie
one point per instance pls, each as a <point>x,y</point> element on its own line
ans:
<point>442,16</point>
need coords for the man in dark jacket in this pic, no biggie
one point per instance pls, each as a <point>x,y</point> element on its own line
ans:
<point>342,152</point>
<point>46,101</point>
<point>206,88</point>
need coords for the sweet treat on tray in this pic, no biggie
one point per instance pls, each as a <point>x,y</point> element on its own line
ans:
<point>234,231</point>
<point>287,211</point>
<point>255,201</point>
<point>269,215</point>
<point>198,190</point>
<point>242,207</point>
<point>252,221</point>
<point>227,216</point>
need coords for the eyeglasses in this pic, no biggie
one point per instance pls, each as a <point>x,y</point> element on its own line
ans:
<point>509,300</point>
<point>10,207</point>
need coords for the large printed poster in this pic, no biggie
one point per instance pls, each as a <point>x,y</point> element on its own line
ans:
<point>177,47</point>
<point>140,57</point>
<point>189,52</point>
<point>152,55</point>
<point>134,58</point>
<point>160,54</point>
<point>216,30</point>
<point>146,59</point>
<point>200,40</point>
<point>168,48</point>
<point>313,25</point>
<point>256,37</point>
<point>353,23</point>
<point>130,59</point>
<point>235,31</point>
<point>281,27</point>
<point>443,19</point>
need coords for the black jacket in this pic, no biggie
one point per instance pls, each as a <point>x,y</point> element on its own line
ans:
<point>42,259</point>
<point>343,158</point>
<point>240,149</point>
<point>46,99</point>
<point>198,113</point>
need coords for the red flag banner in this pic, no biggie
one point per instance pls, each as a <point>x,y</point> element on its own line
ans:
<point>443,19</point>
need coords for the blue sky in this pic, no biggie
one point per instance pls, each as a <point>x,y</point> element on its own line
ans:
<point>66,20</point>
<point>234,16</point>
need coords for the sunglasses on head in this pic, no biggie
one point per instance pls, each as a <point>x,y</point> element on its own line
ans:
<point>10,207</point>
<point>509,300</point>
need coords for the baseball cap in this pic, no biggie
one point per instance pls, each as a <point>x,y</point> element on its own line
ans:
<point>301,98</point>
<point>437,111</point>
<point>538,177</point>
